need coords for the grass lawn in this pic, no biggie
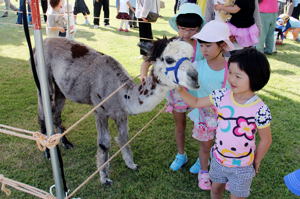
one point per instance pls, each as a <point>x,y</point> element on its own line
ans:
<point>155,148</point>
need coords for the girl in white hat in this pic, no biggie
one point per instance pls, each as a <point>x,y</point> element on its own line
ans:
<point>212,75</point>
<point>187,22</point>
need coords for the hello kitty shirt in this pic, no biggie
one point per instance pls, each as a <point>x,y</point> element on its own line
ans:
<point>237,126</point>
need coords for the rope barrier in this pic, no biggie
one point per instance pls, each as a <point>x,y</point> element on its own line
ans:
<point>88,17</point>
<point>93,109</point>
<point>114,155</point>
<point>44,142</point>
<point>41,140</point>
<point>23,187</point>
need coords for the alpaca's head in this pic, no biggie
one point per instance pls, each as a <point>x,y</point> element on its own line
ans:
<point>172,62</point>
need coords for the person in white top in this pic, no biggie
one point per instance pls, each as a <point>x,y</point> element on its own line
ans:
<point>143,7</point>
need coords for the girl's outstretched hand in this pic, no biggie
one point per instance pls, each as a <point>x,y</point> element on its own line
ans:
<point>256,166</point>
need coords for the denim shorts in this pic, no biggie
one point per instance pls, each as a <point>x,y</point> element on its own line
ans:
<point>239,179</point>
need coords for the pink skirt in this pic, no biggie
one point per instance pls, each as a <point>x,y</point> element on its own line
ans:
<point>245,37</point>
<point>123,15</point>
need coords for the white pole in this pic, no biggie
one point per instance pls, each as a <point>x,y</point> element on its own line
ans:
<point>36,20</point>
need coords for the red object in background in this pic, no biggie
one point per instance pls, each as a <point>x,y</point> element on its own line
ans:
<point>35,12</point>
<point>279,42</point>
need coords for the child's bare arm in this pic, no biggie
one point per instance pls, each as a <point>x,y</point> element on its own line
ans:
<point>61,29</point>
<point>263,146</point>
<point>194,102</point>
<point>118,6</point>
<point>231,9</point>
<point>130,7</point>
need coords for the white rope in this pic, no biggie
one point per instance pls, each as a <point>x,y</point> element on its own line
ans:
<point>114,155</point>
<point>23,187</point>
<point>89,17</point>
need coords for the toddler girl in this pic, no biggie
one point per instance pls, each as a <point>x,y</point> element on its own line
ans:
<point>80,7</point>
<point>212,75</point>
<point>242,23</point>
<point>123,14</point>
<point>241,115</point>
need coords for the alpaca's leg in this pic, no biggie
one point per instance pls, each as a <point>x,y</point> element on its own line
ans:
<point>103,146</point>
<point>57,107</point>
<point>122,123</point>
<point>41,120</point>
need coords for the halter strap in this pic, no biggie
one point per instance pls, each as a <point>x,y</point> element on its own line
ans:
<point>175,68</point>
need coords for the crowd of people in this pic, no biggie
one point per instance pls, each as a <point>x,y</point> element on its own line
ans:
<point>226,111</point>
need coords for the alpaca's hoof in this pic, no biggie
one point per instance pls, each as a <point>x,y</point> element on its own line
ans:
<point>106,181</point>
<point>133,166</point>
<point>66,143</point>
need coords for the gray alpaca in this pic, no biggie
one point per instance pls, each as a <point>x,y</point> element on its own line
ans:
<point>83,75</point>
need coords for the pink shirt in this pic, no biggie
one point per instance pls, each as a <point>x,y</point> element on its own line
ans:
<point>268,6</point>
<point>237,126</point>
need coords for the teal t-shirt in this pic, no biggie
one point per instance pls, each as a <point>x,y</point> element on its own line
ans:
<point>209,79</point>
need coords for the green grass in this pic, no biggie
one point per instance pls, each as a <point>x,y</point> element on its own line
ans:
<point>155,148</point>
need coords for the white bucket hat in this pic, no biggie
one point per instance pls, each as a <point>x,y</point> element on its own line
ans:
<point>215,31</point>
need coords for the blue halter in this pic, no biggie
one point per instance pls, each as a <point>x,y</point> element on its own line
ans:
<point>175,68</point>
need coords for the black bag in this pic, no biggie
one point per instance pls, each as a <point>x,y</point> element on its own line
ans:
<point>152,17</point>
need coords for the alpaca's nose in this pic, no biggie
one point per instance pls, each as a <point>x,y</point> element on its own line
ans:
<point>194,77</point>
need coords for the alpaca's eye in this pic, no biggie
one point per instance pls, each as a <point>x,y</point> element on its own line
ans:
<point>170,60</point>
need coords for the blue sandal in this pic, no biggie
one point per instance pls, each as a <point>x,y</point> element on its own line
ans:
<point>180,160</point>
<point>196,167</point>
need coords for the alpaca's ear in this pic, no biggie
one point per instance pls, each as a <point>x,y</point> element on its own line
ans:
<point>146,46</point>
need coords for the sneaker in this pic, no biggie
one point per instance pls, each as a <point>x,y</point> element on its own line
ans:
<point>126,30</point>
<point>86,22</point>
<point>5,14</point>
<point>106,25</point>
<point>120,30</point>
<point>196,167</point>
<point>96,26</point>
<point>180,160</point>
<point>204,181</point>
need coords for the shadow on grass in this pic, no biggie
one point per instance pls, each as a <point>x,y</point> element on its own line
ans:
<point>81,33</point>
<point>285,51</point>
<point>283,72</point>
<point>281,158</point>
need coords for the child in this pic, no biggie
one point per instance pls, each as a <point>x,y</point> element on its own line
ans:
<point>235,157</point>
<point>187,22</point>
<point>55,19</point>
<point>279,29</point>
<point>242,23</point>
<point>80,7</point>
<point>123,14</point>
<point>292,25</point>
<point>212,75</point>
<point>20,13</point>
